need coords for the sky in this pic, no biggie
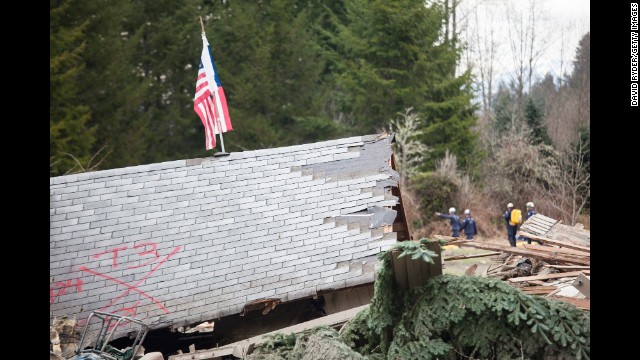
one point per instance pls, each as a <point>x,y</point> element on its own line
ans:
<point>571,13</point>
<point>559,26</point>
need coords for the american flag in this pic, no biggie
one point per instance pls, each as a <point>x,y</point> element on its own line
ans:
<point>209,102</point>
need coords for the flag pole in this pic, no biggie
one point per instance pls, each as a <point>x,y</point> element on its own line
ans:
<point>223,153</point>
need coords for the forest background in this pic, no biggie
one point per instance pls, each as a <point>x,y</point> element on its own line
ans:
<point>469,134</point>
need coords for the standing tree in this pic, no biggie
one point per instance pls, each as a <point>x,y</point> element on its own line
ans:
<point>70,139</point>
<point>571,185</point>
<point>389,56</point>
<point>528,41</point>
<point>534,119</point>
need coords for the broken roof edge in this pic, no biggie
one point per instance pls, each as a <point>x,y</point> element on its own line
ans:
<point>198,161</point>
<point>302,294</point>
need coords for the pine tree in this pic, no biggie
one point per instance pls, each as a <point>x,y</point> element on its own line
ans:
<point>273,73</point>
<point>534,119</point>
<point>504,108</point>
<point>388,56</point>
<point>70,139</point>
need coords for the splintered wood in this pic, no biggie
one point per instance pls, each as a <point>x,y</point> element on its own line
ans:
<point>556,264</point>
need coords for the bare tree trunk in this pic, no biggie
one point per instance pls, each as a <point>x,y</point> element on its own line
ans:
<point>528,40</point>
<point>571,187</point>
<point>446,20</point>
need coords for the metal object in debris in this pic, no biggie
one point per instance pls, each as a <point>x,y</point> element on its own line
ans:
<point>108,325</point>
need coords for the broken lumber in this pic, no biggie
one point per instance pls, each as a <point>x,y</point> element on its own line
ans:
<point>242,348</point>
<point>570,267</point>
<point>554,242</point>
<point>545,256</point>
<point>584,304</point>
<point>460,257</point>
<point>583,284</point>
<point>556,250</point>
<point>539,290</point>
<point>547,276</point>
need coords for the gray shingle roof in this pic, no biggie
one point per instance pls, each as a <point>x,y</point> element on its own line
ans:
<point>184,241</point>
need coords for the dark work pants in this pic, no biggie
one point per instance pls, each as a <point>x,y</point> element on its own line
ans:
<point>511,234</point>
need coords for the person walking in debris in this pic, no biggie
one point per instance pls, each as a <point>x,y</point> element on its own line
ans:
<point>530,212</point>
<point>469,225</point>
<point>511,229</point>
<point>454,220</point>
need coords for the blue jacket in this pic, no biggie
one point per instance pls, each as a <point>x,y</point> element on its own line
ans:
<point>454,219</point>
<point>530,213</point>
<point>507,217</point>
<point>469,226</point>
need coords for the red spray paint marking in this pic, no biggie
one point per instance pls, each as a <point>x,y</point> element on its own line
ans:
<point>62,287</point>
<point>134,286</point>
<point>114,263</point>
<point>131,311</point>
<point>152,251</point>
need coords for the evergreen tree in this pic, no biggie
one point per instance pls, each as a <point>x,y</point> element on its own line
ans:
<point>534,118</point>
<point>109,83</point>
<point>389,56</point>
<point>273,73</point>
<point>70,139</point>
<point>504,109</point>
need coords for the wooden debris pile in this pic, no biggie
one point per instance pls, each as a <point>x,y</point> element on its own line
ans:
<point>63,338</point>
<point>556,266</point>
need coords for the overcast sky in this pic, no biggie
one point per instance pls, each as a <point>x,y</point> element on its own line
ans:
<point>560,24</point>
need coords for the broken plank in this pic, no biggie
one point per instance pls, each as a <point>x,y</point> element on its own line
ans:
<point>460,257</point>
<point>584,304</point>
<point>546,219</point>
<point>544,277</point>
<point>538,223</point>
<point>243,347</point>
<point>557,250</point>
<point>570,267</point>
<point>546,256</point>
<point>583,284</point>
<point>538,290</point>
<point>543,221</point>
<point>539,228</point>
<point>556,242</point>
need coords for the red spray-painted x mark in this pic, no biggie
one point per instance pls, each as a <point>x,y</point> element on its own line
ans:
<point>134,287</point>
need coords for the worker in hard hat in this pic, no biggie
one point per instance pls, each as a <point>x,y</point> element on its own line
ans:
<point>453,219</point>
<point>469,225</point>
<point>530,212</point>
<point>511,229</point>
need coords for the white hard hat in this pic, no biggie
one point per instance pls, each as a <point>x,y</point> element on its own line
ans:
<point>510,205</point>
<point>467,212</point>
<point>452,210</point>
<point>530,204</point>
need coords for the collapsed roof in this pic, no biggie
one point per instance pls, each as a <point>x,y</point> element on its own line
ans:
<point>186,241</point>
